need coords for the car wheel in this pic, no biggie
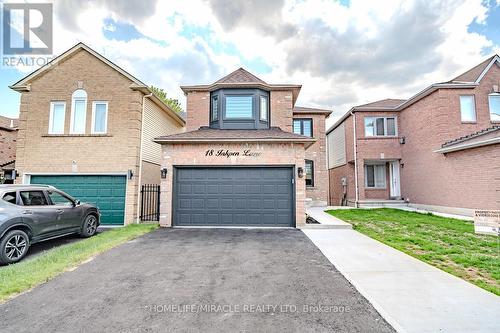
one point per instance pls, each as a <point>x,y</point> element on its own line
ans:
<point>89,227</point>
<point>13,246</point>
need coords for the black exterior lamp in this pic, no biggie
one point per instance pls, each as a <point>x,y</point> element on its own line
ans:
<point>130,174</point>
<point>164,172</point>
<point>300,172</point>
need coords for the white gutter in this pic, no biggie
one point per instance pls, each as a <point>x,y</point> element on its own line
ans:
<point>355,159</point>
<point>140,158</point>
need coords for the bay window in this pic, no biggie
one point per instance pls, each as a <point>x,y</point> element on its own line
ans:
<point>239,107</point>
<point>380,126</point>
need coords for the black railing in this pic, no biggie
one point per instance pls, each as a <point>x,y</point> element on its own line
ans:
<point>150,202</point>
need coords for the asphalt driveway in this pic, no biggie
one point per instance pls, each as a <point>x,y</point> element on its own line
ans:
<point>199,280</point>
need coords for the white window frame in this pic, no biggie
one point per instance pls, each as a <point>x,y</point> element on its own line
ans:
<point>385,127</point>
<point>73,100</point>
<point>375,176</point>
<point>473,106</point>
<point>51,116</point>
<point>496,95</point>
<point>92,130</point>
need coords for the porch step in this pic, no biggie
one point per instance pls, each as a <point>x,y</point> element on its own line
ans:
<point>370,203</point>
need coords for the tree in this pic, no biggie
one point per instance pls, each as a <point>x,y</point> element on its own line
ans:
<point>173,103</point>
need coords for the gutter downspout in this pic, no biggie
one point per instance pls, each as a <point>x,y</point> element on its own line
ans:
<point>356,204</point>
<point>138,217</point>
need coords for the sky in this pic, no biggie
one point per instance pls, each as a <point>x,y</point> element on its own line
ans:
<point>344,53</point>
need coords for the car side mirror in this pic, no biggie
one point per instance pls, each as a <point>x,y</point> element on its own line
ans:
<point>77,202</point>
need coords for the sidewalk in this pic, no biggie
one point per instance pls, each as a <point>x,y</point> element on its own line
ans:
<point>410,294</point>
<point>326,221</point>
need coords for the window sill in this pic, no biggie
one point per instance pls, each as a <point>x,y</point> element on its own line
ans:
<point>376,188</point>
<point>378,137</point>
<point>75,135</point>
<point>469,122</point>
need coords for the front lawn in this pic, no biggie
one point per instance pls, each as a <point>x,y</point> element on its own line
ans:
<point>448,244</point>
<point>31,272</point>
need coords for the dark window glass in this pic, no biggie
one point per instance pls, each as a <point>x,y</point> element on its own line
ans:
<point>370,176</point>
<point>391,126</point>
<point>309,173</point>
<point>302,127</point>
<point>215,106</point>
<point>380,126</point>
<point>59,199</point>
<point>33,198</point>
<point>10,197</point>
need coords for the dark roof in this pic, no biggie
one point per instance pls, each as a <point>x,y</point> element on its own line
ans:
<point>470,136</point>
<point>7,163</point>
<point>240,76</point>
<point>302,109</point>
<point>209,134</point>
<point>473,74</point>
<point>383,103</point>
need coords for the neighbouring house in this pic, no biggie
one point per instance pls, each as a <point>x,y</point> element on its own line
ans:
<point>86,126</point>
<point>438,150</point>
<point>249,157</point>
<point>8,137</point>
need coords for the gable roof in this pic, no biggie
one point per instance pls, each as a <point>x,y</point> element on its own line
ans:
<point>240,75</point>
<point>472,78</point>
<point>241,78</point>
<point>136,84</point>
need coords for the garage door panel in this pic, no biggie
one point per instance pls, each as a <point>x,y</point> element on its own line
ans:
<point>234,196</point>
<point>105,191</point>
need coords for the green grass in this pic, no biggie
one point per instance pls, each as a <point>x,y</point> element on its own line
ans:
<point>31,272</point>
<point>448,244</point>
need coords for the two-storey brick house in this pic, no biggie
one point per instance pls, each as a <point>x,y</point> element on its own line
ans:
<point>249,157</point>
<point>86,126</point>
<point>438,150</point>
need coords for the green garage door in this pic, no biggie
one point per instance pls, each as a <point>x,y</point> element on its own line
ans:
<point>106,192</point>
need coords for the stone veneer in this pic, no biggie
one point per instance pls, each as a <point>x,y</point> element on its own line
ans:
<point>272,154</point>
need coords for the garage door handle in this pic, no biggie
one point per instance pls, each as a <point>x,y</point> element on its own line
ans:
<point>27,212</point>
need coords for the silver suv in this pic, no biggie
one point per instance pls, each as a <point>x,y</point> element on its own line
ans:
<point>33,213</point>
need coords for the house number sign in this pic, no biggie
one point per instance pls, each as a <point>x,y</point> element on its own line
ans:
<point>231,153</point>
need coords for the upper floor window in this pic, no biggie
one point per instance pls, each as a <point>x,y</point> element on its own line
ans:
<point>303,127</point>
<point>99,117</point>
<point>215,108</point>
<point>56,118</point>
<point>263,108</point>
<point>467,108</point>
<point>239,107</point>
<point>78,112</point>
<point>494,102</point>
<point>380,126</point>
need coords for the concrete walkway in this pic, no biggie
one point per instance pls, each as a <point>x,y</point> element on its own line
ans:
<point>410,294</point>
<point>326,221</point>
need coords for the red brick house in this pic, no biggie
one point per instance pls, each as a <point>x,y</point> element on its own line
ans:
<point>8,139</point>
<point>249,157</point>
<point>437,150</point>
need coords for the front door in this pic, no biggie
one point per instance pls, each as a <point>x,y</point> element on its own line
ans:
<point>395,179</point>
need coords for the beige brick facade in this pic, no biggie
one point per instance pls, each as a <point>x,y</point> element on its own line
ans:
<point>272,154</point>
<point>115,152</point>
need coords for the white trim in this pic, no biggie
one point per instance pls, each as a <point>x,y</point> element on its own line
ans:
<point>72,119</point>
<point>473,105</point>
<point>468,145</point>
<point>51,116</point>
<point>92,129</point>
<point>483,73</point>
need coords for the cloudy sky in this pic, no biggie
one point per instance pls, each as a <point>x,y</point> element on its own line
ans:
<point>343,52</point>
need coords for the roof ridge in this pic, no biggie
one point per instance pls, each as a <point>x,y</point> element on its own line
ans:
<point>241,72</point>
